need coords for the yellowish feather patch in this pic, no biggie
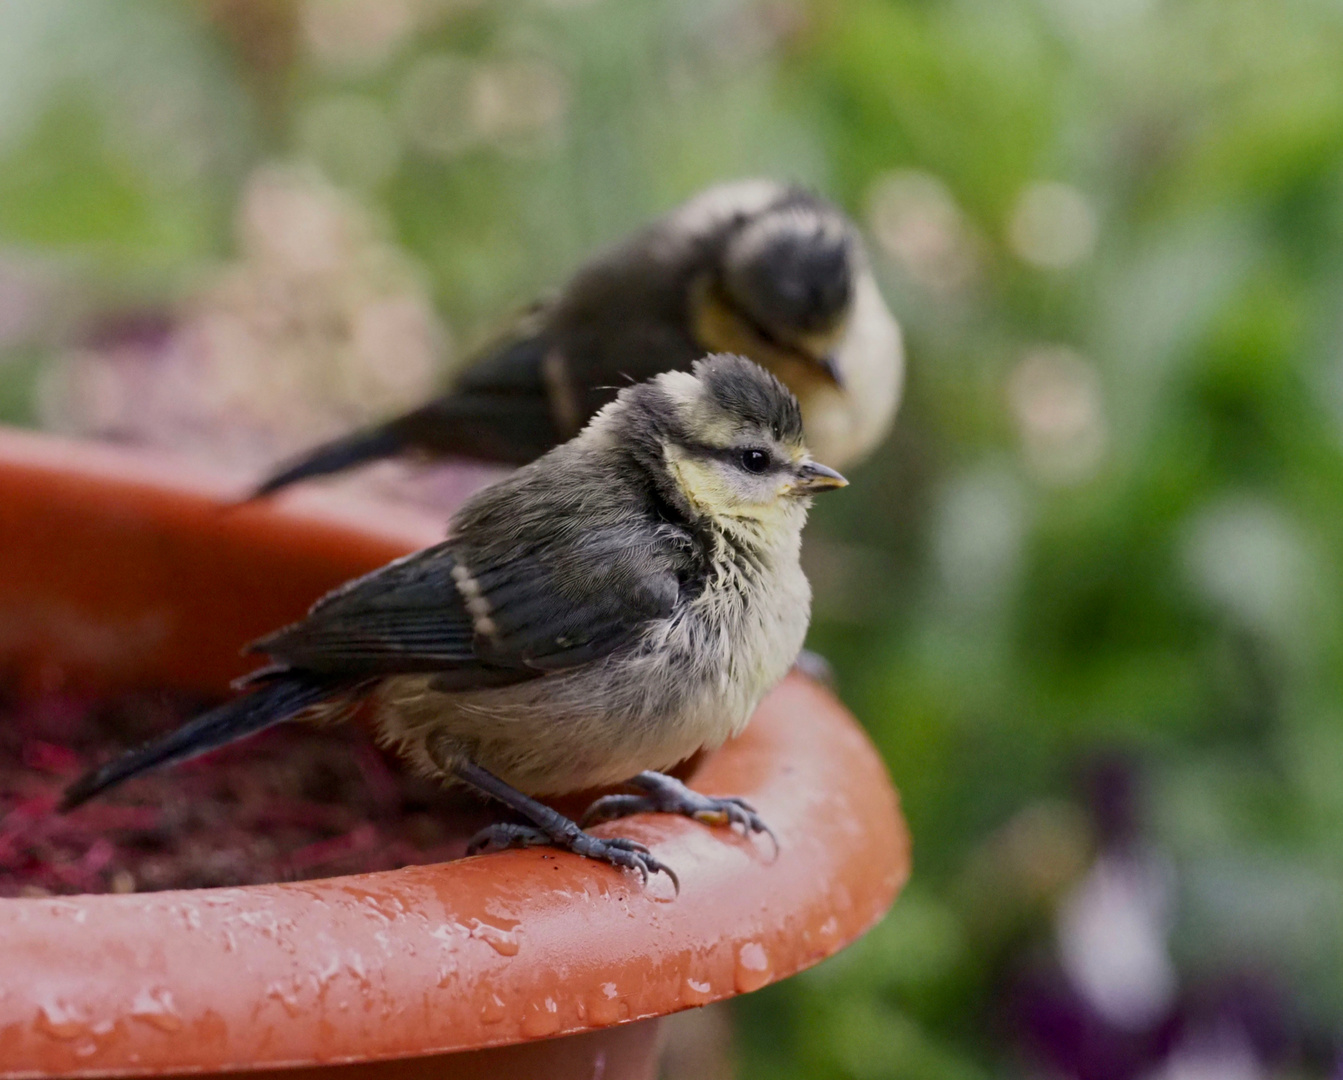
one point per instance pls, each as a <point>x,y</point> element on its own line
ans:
<point>719,329</point>
<point>708,488</point>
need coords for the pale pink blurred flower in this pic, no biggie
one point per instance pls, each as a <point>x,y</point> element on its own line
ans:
<point>1052,225</point>
<point>28,294</point>
<point>357,35</point>
<point>518,99</point>
<point>918,225</point>
<point>319,324</point>
<point>1055,397</point>
<point>448,104</point>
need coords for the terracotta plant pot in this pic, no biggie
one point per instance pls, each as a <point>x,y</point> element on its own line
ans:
<point>117,573</point>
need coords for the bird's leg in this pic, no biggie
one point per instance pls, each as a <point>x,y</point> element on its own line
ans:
<point>549,827</point>
<point>667,795</point>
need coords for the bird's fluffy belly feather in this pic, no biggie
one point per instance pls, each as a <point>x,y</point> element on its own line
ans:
<point>691,683</point>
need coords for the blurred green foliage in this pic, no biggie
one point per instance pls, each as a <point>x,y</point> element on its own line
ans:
<point>1111,513</point>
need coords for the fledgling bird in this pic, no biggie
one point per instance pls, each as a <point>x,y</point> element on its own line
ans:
<point>765,270</point>
<point>597,616</point>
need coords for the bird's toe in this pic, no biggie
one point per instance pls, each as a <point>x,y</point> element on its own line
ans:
<point>610,807</point>
<point>667,795</point>
<point>504,835</point>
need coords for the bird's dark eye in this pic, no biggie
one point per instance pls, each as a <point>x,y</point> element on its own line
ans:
<point>755,461</point>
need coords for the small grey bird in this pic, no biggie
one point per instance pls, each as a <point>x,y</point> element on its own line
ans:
<point>596,616</point>
<point>764,270</point>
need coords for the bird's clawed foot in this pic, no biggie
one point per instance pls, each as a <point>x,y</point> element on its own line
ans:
<point>667,795</point>
<point>548,826</point>
<point>616,850</point>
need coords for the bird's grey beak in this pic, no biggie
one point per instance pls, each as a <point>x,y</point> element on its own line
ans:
<point>813,477</point>
<point>830,366</point>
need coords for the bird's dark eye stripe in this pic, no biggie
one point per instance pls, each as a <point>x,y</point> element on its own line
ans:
<point>735,455</point>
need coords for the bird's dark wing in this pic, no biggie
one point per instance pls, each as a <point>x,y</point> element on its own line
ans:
<point>485,620</point>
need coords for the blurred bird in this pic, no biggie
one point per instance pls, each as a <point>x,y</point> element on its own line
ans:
<point>764,270</point>
<point>606,611</point>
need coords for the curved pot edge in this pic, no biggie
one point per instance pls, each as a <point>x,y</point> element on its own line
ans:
<point>844,860</point>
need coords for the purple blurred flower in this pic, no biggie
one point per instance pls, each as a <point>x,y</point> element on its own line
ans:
<point>1109,1003</point>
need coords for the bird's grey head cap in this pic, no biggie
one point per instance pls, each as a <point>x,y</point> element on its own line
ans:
<point>724,393</point>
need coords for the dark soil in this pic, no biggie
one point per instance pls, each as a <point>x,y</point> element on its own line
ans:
<point>294,802</point>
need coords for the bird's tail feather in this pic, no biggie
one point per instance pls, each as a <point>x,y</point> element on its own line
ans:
<point>271,703</point>
<point>335,456</point>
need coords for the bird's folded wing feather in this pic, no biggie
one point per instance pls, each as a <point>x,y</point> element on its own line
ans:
<point>488,618</point>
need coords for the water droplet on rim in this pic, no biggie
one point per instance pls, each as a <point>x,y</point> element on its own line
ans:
<point>60,1021</point>
<point>504,942</point>
<point>605,1006</point>
<point>753,967</point>
<point>155,1007</point>
<point>494,1010</point>
<point>696,992</point>
<point>542,1018</point>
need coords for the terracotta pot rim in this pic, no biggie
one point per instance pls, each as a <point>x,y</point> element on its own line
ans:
<point>480,952</point>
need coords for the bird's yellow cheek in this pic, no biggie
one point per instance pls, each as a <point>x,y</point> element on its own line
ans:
<point>703,486</point>
<point>711,494</point>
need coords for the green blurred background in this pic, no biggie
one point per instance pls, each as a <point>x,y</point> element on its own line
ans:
<point>1109,520</point>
